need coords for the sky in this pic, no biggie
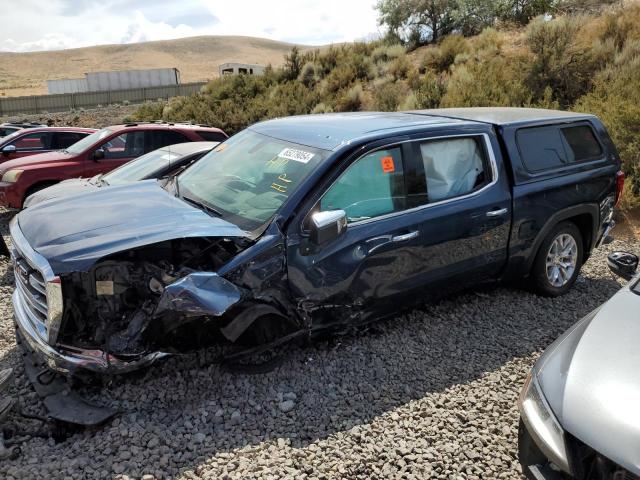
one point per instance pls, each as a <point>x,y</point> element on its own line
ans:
<point>30,25</point>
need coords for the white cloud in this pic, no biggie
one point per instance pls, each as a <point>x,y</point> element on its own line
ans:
<point>56,24</point>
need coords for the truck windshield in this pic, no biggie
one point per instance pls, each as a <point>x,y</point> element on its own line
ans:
<point>87,141</point>
<point>247,178</point>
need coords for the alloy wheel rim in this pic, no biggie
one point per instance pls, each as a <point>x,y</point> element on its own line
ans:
<point>562,259</point>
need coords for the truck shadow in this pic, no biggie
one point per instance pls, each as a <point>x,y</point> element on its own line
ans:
<point>338,384</point>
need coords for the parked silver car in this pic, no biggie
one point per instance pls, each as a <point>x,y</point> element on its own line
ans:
<point>580,406</point>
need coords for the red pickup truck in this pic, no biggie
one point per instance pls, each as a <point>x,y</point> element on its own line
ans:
<point>97,153</point>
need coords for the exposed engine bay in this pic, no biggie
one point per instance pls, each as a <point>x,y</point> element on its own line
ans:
<point>143,299</point>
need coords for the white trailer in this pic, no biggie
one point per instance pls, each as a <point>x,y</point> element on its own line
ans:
<point>116,80</point>
<point>123,80</point>
<point>67,85</point>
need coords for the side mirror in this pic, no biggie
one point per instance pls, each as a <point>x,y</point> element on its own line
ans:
<point>327,226</point>
<point>99,154</point>
<point>9,149</point>
<point>623,264</point>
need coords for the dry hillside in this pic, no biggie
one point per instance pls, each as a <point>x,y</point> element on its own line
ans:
<point>197,58</point>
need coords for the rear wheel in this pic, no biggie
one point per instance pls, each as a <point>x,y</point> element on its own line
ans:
<point>558,261</point>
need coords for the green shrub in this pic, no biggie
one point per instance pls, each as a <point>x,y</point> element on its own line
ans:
<point>149,111</point>
<point>308,75</point>
<point>386,53</point>
<point>322,108</point>
<point>497,81</point>
<point>428,93</point>
<point>352,100</point>
<point>387,96</point>
<point>560,61</point>
<point>442,57</point>
<point>616,100</point>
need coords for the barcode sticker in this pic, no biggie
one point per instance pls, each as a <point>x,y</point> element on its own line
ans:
<point>296,155</point>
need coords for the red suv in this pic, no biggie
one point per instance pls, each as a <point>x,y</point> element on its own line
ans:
<point>31,141</point>
<point>99,152</point>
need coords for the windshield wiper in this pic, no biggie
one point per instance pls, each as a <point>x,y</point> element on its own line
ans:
<point>202,206</point>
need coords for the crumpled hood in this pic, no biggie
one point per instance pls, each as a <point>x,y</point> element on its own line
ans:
<point>34,160</point>
<point>72,233</point>
<point>591,378</point>
<point>62,189</point>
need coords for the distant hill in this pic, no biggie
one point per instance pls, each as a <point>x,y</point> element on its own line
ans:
<point>197,58</point>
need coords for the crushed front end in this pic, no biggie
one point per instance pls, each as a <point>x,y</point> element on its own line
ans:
<point>128,310</point>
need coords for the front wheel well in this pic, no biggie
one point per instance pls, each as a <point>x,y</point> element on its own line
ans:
<point>37,187</point>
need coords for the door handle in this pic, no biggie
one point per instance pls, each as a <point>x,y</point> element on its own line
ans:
<point>497,213</point>
<point>405,237</point>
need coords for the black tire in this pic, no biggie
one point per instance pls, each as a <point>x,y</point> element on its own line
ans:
<point>539,279</point>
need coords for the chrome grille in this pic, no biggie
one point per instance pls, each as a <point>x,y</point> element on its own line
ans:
<point>31,287</point>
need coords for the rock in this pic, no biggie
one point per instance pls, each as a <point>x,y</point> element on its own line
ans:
<point>287,406</point>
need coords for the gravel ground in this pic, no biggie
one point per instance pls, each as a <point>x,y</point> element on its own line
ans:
<point>430,394</point>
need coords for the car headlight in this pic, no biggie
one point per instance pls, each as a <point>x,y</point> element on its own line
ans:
<point>542,424</point>
<point>11,176</point>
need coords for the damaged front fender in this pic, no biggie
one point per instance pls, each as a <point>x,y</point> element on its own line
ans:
<point>199,294</point>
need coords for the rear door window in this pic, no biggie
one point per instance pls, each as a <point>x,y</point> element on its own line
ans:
<point>62,140</point>
<point>555,146</point>
<point>454,167</point>
<point>162,138</point>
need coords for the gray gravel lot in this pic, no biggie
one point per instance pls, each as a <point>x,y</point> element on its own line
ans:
<point>430,394</point>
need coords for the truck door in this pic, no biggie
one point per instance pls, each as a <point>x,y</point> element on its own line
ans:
<point>421,216</point>
<point>466,221</point>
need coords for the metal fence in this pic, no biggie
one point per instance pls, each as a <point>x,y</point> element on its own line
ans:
<point>73,101</point>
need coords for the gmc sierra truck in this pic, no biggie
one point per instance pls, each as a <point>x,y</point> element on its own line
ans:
<point>298,225</point>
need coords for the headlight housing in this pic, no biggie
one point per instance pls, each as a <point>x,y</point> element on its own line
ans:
<point>11,176</point>
<point>542,424</point>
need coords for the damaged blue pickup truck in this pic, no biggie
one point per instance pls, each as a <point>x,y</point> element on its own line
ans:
<point>298,225</point>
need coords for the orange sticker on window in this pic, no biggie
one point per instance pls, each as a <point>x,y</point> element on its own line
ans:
<point>220,147</point>
<point>387,164</point>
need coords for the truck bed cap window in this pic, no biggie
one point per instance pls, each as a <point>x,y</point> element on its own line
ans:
<point>555,146</point>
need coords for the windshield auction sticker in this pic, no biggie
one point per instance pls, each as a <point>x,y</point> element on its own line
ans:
<point>296,155</point>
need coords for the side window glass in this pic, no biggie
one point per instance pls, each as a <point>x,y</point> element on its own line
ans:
<point>370,187</point>
<point>453,167</point>
<point>127,145</point>
<point>541,148</point>
<point>582,143</point>
<point>32,141</point>
<point>63,140</point>
<point>212,136</point>
<point>162,138</point>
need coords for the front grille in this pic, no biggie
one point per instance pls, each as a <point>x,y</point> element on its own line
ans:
<point>587,464</point>
<point>32,290</point>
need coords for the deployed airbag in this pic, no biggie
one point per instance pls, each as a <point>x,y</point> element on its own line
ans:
<point>452,167</point>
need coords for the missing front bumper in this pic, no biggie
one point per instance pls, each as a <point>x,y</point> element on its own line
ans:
<point>68,360</point>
